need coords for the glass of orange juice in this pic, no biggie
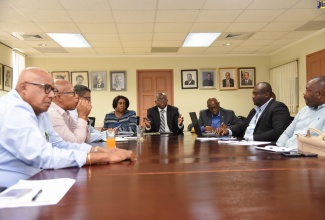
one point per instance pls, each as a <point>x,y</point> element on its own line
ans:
<point>110,139</point>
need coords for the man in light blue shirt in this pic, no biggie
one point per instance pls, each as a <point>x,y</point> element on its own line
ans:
<point>311,116</point>
<point>85,93</point>
<point>28,143</point>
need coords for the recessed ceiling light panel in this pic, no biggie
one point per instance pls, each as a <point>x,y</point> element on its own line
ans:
<point>200,39</point>
<point>69,40</point>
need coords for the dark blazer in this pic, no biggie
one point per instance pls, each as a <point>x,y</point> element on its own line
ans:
<point>187,82</point>
<point>249,82</point>
<point>271,124</point>
<point>227,117</point>
<point>231,81</point>
<point>207,82</point>
<point>172,119</point>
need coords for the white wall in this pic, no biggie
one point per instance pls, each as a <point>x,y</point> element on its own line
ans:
<point>5,59</point>
<point>300,51</point>
<point>185,99</point>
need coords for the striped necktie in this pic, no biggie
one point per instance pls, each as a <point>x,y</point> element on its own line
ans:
<point>162,121</point>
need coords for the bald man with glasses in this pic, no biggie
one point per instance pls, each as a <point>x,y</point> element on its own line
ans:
<point>66,100</point>
<point>28,143</point>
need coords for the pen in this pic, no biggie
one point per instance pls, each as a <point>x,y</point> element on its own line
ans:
<point>37,194</point>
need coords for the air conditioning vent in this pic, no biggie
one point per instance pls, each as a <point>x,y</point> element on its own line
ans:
<point>235,36</point>
<point>29,37</point>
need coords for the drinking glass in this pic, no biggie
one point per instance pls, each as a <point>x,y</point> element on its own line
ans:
<point>110,139</point>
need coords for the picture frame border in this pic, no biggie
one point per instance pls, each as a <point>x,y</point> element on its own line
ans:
<point>253,78</point>
<point>201,78</point>
<point>193,72</point>
<point>53,73</point>
<point>1,77</point>
<point>83,73</point>
<point>7,88</point>
<point>93,74</point>
<point>123,72</point>
<point>221,77</point>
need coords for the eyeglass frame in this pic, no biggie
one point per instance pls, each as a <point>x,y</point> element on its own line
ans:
<point>73,92</point>
<point>54,90</point>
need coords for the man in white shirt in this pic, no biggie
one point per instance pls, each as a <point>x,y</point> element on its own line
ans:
<point>65,100</point>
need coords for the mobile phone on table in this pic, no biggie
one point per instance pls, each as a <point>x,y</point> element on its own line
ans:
<point>307,154</point>
<point>291,154</point>
<point>14,193</point>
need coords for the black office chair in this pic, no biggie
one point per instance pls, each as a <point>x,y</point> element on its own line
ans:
<point>92,121</point>
<point>138,120</point>
<point>189,127</point>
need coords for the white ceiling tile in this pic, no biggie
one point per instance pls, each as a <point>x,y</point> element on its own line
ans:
<point>218,15</point>
<point>180,4</point>
<point>133,5</point>
<point>179,16</point>
<point>105,28</point>
<point>130,44</point>
<point>269,49</point>
<point>223,49</point>
<point>36,4</point>
<point>259,15</point>
<point>58,27</point>
<point>255,43</point>
<point>281,42</point>
<point>112,44</point>
<point>92,16</point>
<point>166,43</point>
<point>209,27</point>
<point>101,37</point>
<point>169,36</point>
<point>320,18</point>
<point>274,4</point>
<point>47,42</point>
<point>267,35</point>
<point>135,28</point>
<point>299,15</point>
<point>220,43</point>
<point>110,50</point>
<point>85,4</point>
<point>247,49</point>
<point>13,15</point>
<point>227,4</point>
<point>172,27</point>
<point>80,50</point>
<point>134,16</point>
<point>296,34</point>
<point>191,50</point>
<point>27,27</point>
<point>47,15</point>
<point>245,27</point>
<point>306,4</point>
<point>282,26</point>
<point>137,50</point>
<point>136,37</point>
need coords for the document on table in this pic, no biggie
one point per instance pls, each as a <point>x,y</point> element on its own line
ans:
<point>219,139</point>
<point>276,148</point>
<point>44,192</point>
<point>245,142</point>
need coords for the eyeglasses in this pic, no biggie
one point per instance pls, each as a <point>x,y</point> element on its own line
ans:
<point>47,88</point>
<point>73,92</point>
<point>87,98</point>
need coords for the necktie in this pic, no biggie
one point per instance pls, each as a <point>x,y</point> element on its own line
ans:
<point>227,83</point>
<point>246,82</point>
<point>162,121</point>
<point>257,114</point>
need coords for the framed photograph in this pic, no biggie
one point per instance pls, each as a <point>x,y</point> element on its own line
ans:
<point>80,78</point>
<point>118,80</point>
<point>7,78</point>
<point>228,79</point>
<point>246,77</point>
<point>98,80</point>
<point>189,79</point>
<point>208,78</point>
<point>61,75</point>
<point>1,77</point>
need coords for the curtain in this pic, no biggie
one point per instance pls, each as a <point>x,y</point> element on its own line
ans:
<point>284,82</point>
<point>19,63</point>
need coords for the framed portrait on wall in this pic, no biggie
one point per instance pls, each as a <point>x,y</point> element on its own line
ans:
<point>118,80</point>
<point>98,80</point>
<point>228,79</point>
<point>246,77</point>
<point>80,78</point>
<point>208,78</point>
<point>189,79</point>
<point>61,75</point>
<point>1,77</point>
<point>7,78</point>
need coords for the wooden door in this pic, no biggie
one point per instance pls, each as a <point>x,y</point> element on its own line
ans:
<point>149,83</point>
<point>315,64</point>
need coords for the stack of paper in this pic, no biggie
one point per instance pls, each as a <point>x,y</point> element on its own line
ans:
<point>276,148</point>
<point>49,192</point>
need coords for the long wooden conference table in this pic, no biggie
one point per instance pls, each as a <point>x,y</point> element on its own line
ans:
<point>177,177</point>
